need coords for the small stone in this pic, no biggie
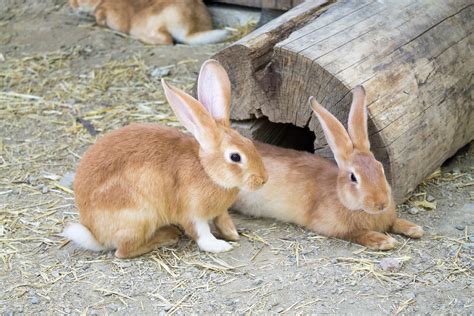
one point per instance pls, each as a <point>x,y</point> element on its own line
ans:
<point>257,281</point>
<point>459,227</point>
<point>470,238</point>
<point>469,245</point>
<point>67,310</point>
<point>413,210</point>
<point>279,309</point>
<point>67,179</point>
<point>389,264</point>
<point>430,198</point>
<point>160,72</point>
<point>55,273</point>
<point>44,189</point>
<point>34,300</point>
<point>451,204</point>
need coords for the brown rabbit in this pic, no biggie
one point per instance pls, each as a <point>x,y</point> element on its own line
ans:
<point>351,201</point>
<point>140,178</point>
<point>155,21</point>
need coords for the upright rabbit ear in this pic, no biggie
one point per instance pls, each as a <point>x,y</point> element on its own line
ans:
<point>192,115</point>
<point>335,133</point>
<point>357,125</point>
<point>214,91</point>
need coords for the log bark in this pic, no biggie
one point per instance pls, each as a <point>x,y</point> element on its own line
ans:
<point>413,57</point>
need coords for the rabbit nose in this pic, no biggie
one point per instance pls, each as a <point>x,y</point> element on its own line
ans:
<point>256,181</point>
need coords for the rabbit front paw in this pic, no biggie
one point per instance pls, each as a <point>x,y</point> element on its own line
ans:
<point>213,245</point>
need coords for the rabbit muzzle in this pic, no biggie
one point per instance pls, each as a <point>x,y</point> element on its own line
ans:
<point>255,182</point>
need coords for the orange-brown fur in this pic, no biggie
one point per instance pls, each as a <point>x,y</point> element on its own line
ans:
<point>138,179</point>
<point>128,168</point>
<point>314,192</point>
<point>151,21</point>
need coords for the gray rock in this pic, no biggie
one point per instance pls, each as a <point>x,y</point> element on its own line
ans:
<point>34,300</point>
<point>160,72</point>
<point>390,264</point>
<point>469,245</point>
<point>430,198</point>
<point>67,179</point>
<point>413,210</point>
<point>257,281</point>
<point>459,227</point>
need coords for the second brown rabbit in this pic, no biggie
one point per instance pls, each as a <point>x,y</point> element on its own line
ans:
<point>351,200</point>
<point>155,21</point>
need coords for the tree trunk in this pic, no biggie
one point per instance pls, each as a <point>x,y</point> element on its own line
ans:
<point>414,59</point>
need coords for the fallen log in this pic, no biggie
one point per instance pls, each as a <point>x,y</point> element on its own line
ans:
<point>414,59</point>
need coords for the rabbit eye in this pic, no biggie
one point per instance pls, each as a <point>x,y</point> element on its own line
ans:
<point>353,178</point>
<point>235,157</point>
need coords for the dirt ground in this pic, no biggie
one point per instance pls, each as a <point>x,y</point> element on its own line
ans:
<point>64,82</point>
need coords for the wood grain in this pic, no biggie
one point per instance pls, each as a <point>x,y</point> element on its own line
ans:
<point>413,57</point>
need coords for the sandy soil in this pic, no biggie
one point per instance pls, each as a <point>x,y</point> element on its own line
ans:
<point>63,80</point>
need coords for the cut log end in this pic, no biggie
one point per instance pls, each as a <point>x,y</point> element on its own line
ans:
<point>413,58</point>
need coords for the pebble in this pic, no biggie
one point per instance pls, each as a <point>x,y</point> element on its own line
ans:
<point>413,210</point>
<point>160,72</point>
<point>34,300</point>
<point>389,264</point>
<point>257,281</point>
<point>430,198</point>
<point>44,189</point>
<point>470,238</point>
<point>459,227</point>
<point>55,273</point>
<point>469,245</point>
<point>67,179</point>
<point>451,204</point>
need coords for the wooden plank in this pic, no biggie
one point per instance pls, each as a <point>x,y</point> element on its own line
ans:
<point>247,3</point>
<point>277,4</point>
<point>282,5</point>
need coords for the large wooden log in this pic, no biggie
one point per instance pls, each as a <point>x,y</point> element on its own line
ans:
<point>413,57</point>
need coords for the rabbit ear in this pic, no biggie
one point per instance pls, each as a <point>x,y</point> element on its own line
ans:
<point>336,135</point>
<point>192,115</point>
<point>357,125</point>
<point>214,91</point>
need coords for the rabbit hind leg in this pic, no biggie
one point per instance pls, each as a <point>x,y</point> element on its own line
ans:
<point>132,243</point>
